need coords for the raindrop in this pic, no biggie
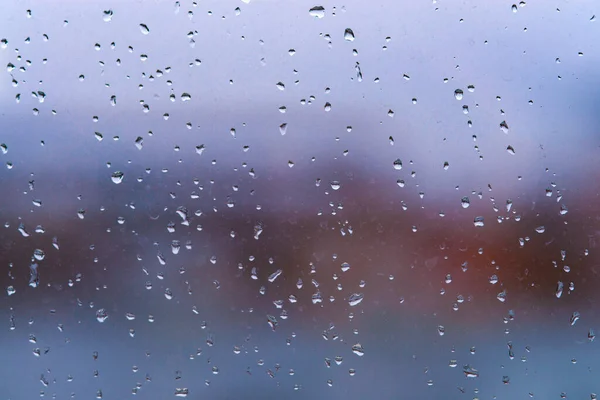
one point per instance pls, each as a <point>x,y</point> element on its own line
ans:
<point>349,35</point>
<point>107,15</point>
<point>465,202</point>
<point>117,177</point>
<point>358,350</point>
<point>317,12</point>
<point>501,296</point>
<point>575,317</point>
<point>101,315</point>
<point>355,299</point>
<point>275,275</point>
<point>39,254</point>
<point>470,372</point>
<point>144,29</point>
<point>559,289</point>
<point>458,94</point>
<point>283,129</point>
<point>181,392</point>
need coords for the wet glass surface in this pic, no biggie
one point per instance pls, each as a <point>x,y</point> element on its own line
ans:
<point>266,200</point>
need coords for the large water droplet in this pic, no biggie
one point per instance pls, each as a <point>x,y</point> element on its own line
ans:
<point>355,299</point>
<point>317,12</point>
<point>574,318</point>
<point>117,177</point>
<point>101,315</point>
<point>107,15</point>
<point>349,35</point>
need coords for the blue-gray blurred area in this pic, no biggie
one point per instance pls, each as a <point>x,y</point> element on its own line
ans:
<point>271,200</point>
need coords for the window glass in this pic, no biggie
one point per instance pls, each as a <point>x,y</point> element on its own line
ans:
<point>269,200</point>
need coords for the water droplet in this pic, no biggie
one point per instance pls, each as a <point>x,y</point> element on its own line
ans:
<point>470,372</point>
<point>397,164</point>
<point>117,177</point>
<point>349,35</point>
<point>107,15</point>
<point>501,296</point>
<point>478,221</point>
<point>275,275</point>
<point>317,12</point>
<point>358,350</point>
<point>181,392</point>
<point>39,254</point>
<point>458,94</point>
<point>355,299</point>
<point>101,315</point>
<point>510,150</point>
<point>144,29</point>
<point>345,266</point>
<point>575,317</point>
<point>465,202</point>
<point>559,289</point>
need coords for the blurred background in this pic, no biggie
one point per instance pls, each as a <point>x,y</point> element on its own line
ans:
<point>262,200</point>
